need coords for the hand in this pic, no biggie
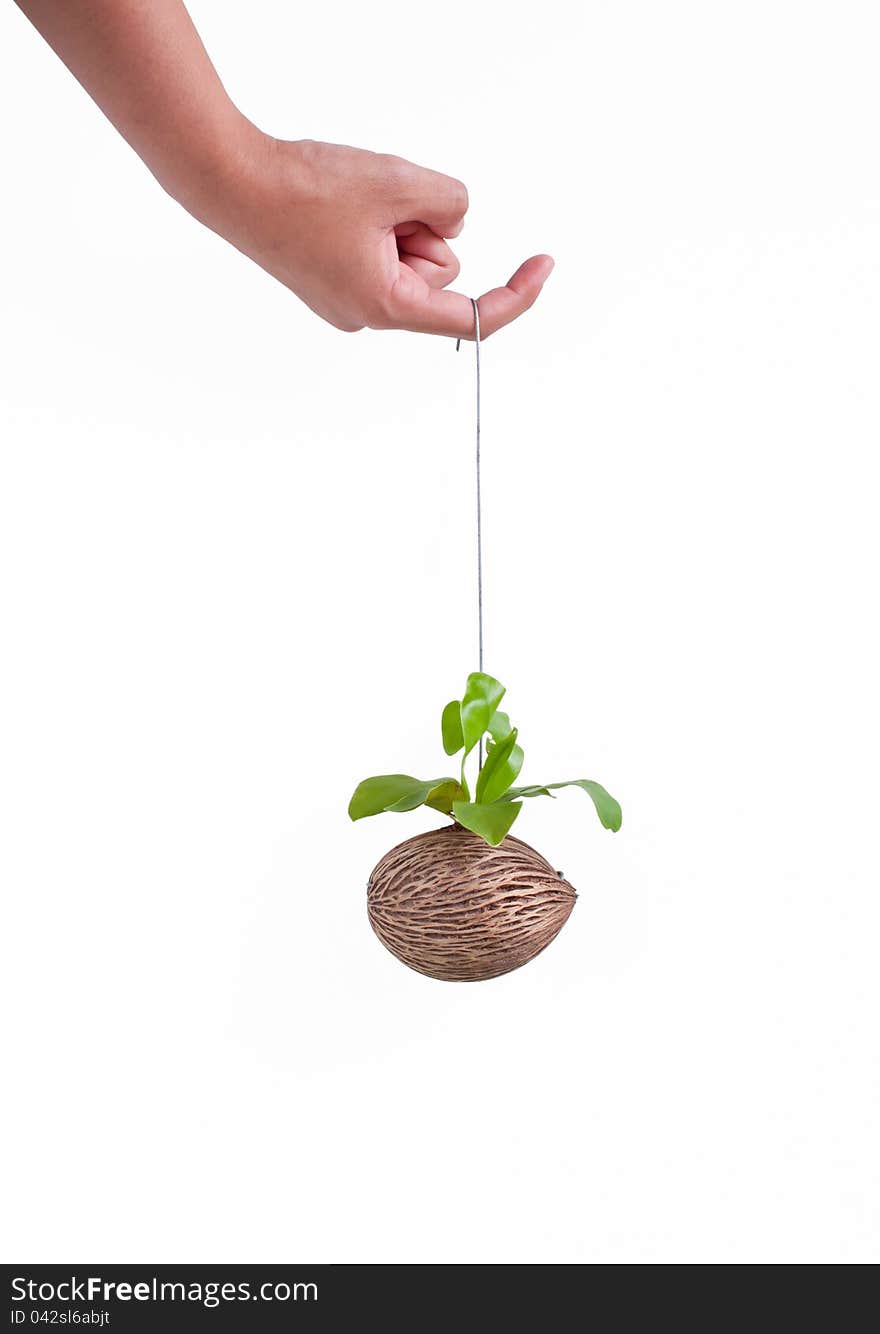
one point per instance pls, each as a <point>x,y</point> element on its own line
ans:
<point>360,237</point>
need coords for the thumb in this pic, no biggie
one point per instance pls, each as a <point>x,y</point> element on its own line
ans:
<point>423,309</point>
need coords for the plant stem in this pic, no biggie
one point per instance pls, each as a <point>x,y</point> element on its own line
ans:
<point>465,788</point>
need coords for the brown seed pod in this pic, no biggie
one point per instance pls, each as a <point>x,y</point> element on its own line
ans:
<point>449,905</point>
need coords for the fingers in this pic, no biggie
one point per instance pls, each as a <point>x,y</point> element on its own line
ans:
<point>426,254</point>
<point>504,304</point>
<point>424,309</point>
<point>438,201</point>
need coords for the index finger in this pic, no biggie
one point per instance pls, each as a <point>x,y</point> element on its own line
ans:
<point>422,195</point>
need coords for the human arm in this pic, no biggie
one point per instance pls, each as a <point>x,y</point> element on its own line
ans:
<point>360,237</point>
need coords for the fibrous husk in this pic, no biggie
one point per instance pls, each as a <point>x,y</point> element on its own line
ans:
<point>449,905</point>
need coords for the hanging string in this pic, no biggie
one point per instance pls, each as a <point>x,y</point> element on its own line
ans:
<point>479,506</point>
<point>479,493</point>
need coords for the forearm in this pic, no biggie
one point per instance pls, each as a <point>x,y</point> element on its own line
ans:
<point>144,64</point>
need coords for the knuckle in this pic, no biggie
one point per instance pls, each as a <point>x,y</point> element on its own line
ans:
<point>460,196</point>
<point>395,172</point>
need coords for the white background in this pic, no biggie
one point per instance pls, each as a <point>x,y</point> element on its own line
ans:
<point>237,576</point>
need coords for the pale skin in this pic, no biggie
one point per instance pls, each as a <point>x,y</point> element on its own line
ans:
<point>360,237</point>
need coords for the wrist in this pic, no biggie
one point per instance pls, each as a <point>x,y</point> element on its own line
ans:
<point>222,171</point>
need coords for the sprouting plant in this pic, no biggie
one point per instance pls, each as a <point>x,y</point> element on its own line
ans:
<point>496,802</point>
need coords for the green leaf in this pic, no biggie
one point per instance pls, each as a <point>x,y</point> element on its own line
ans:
<point>450,725</point>
<point>607,808</point>
<point>531,791</point>
<point>482,696</point>
<point>491,822</point>
<point>392,792</point>
<point>499,726</point>
<point>501,768</point>
<point>441,797</point>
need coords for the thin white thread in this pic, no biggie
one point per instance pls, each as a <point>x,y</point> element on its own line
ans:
<point>479,504</point>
